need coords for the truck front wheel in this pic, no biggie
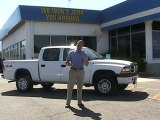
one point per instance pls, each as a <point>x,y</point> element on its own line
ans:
<point>24,83</point>
<point>105,85</point>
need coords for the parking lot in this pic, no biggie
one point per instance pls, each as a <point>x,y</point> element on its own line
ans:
<point>141,102</point>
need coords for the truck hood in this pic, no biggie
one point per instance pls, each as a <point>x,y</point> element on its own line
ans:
<point>111,61</point>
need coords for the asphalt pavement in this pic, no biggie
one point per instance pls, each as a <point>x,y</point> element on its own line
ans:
<point>141,102</point>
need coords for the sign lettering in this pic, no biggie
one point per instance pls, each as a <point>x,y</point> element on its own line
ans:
<point>62,15</point>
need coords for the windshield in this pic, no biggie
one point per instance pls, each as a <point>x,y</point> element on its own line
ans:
<point>92,54</point>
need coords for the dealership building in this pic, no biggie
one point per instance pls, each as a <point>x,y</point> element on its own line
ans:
<point>128,27</point>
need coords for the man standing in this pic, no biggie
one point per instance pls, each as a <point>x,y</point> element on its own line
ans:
<point>76,59</point>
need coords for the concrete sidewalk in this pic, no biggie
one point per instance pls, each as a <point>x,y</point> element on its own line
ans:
<point>140,79</point>
<point>143,77</point>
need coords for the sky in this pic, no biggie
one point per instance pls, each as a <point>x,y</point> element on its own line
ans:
<point>8,6</point>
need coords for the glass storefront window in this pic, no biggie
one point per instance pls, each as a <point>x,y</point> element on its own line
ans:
<point>71,40</point>
<point>58,40</point>
<point>41,41</point>
<point>15,52</point>
<point>156,44</point>
<point>12,52</point>
<point>6,54</point>
<point>90,42</point>
<point>50,40</point>
<point>130,39</point>
<point>113,32</point>
<point>124,45</point>
<point>23,49</point>
<point>156,25</point>
<point>138,43</point>
<point>138,27</point>
<point>113,44</point>
<point>124,30</point>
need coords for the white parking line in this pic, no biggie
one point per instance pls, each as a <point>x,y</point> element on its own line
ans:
<point>155,97</point>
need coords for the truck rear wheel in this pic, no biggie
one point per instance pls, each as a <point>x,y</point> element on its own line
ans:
<point>105,85</point>
<point>24,83</point>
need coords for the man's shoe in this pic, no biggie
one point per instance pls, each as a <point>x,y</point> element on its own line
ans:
<point>81,105</point>
<point>67,106</point>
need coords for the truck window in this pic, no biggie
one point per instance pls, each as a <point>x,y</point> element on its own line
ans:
<point>51,54</point>
<point>65,53</point>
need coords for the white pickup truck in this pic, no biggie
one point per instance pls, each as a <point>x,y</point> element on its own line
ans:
<point>106,75</point>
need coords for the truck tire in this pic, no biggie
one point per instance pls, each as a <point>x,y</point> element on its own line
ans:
<point>24,83</point>
<point>105,85</point>
<point>47,85</point>
<point>122,86</point>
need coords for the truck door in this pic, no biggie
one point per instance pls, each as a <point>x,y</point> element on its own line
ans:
<point>49,65</point>
<point>65,69</point>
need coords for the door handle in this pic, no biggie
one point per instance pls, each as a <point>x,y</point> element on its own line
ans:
<point>63,65</point>
<point>43,65</point>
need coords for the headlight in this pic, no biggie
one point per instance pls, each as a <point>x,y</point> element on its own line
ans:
<point>133,68</point>
<point>125,70</point>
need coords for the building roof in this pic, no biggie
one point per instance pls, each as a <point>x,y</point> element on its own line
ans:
<point>130,12</point>
<point>123,14</point>
<point>49,14</point>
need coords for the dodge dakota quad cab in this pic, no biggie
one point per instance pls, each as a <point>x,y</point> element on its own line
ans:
<point>106,75</point>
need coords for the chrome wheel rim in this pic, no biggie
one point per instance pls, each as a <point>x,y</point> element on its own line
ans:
<point>22,83</point>
<point>104,86</point>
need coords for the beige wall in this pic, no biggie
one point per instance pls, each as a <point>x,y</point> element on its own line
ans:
<point>50,28</point>
<point>15,37</point>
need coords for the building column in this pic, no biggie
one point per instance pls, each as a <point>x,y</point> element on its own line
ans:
<point>29,39</point>
<point>148,36</point>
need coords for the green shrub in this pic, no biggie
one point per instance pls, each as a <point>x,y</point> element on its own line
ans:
<point>136,57</point>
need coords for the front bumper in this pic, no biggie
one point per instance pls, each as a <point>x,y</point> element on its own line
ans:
<point>127,80</point>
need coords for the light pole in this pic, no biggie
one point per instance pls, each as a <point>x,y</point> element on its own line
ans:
<point>69,1</point>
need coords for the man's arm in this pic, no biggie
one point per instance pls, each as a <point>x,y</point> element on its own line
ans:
<point>68,62</point>
<point>86,61</point>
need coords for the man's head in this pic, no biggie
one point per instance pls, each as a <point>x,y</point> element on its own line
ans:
<point>80,44</point>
